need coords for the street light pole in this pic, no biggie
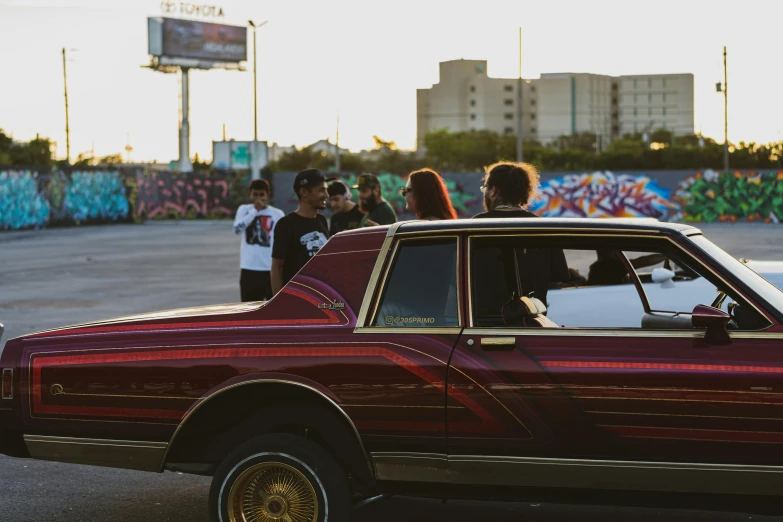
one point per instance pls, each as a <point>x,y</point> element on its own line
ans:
<point>255,76</point>
<point>519,102</point>
<point>255,165</point>
<point>725,114</point>
<point>67,127</point>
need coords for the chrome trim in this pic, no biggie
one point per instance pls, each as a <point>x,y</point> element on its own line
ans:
<point>361,319</point>
<point>128,454</point>
<point>420,330</point>
<point>393,229</point>
<point>535,230</point>
<point>592,332</point>
<point>613,332</point>
<point>367,459</point>
<point>7,371</point>
<point>380,285</point>
<point>498,341</point>
<point>411,467</point>
<point>581,473</point>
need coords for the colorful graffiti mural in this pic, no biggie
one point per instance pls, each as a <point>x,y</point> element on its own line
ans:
<point>29,199</point>
<point>603,194</point>
<point>22,203</point>
<point>731,196</point>
<point>97,196</point>
<point>164,195</point>
<point>33,200</point>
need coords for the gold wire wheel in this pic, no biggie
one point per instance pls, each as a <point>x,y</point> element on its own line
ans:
<point>271,491</point>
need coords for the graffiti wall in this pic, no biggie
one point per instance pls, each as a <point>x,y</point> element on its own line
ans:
<point>603,194</point>
<point>22,205</point>
<point>730,196</point>
<point>164,194</point>
<point>30,200</point>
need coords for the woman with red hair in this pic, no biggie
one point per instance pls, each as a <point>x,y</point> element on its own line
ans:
<point>426,196</point>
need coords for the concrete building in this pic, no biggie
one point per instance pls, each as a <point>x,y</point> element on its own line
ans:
<point>467,98</point>
<point>656,101</point>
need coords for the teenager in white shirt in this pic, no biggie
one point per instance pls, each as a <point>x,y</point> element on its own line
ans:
<point>256,222</point>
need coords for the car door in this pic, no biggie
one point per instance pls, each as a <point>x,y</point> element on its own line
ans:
<point>413,321</point>
<point>609,391</point>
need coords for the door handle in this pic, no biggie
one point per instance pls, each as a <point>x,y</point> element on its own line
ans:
<point>498,343</point>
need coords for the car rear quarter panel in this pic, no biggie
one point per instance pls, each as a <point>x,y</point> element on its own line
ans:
<point>138,380</point>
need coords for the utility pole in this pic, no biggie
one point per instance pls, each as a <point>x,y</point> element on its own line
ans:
<point>255,76</point>
<point>519,102</point>
<point>255,167</point>
<point>724,88</point>
<point>725,114</point>
<point>337,146</point>
<point>67,127</point>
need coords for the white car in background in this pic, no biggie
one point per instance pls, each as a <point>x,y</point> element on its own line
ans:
<point>596,306</point>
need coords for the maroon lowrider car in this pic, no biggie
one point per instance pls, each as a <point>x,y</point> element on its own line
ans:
<point>400,360</point>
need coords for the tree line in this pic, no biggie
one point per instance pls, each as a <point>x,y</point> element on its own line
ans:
<point>470,151</point>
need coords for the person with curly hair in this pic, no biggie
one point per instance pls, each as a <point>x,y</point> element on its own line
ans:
<point>427,196</point>
<point>508,188</point>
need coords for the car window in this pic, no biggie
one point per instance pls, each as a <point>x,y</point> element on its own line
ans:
<point>599,294</point>
<point>601,288</point>
<point>505,267</point>
<point>421,290</point>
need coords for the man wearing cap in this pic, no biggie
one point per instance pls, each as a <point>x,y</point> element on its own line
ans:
<point>300,234</point>
<point>378,211</point>
<point>345,213</point>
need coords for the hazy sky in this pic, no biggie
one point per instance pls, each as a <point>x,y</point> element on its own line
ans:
<point>367,59</point>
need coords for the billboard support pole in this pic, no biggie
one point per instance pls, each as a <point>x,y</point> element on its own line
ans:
<point>184,127</point>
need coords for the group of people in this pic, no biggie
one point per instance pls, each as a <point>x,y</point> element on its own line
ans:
<point>276,246</point>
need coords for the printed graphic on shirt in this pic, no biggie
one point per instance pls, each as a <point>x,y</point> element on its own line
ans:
<point>313,241</point>
<point>258,232</point>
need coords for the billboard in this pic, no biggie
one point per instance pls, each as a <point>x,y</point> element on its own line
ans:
<point>238,155</point>
<point>177,38</point>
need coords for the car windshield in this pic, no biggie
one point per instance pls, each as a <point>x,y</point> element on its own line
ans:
<point>769,292</point>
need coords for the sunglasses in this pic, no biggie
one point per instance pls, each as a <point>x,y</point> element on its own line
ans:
<point>405,190</point>
<point>483,188</point>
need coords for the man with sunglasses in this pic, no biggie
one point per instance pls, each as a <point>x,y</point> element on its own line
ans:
<point>508,188</point>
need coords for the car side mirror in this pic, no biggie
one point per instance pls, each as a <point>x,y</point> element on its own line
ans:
<point>663,276</point>
<point>715,321</point>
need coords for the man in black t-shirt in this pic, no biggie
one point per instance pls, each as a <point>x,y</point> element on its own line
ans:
<point>346,214</point>
<point>507,189</point>
<point>300,234</point>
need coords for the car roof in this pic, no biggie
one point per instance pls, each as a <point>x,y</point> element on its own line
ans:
<point>649,225</point>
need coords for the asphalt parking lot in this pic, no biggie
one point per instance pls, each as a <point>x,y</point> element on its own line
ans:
<point>57,277</point>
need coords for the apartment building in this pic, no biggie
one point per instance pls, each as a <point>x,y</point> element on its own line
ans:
<point>467,98</point>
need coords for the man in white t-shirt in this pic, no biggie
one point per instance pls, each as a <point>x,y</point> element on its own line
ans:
<point>256,222</point>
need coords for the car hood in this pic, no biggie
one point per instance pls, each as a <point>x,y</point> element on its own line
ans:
<point>766,267</point>
<point>772,271</point>
<point>200,313</point>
